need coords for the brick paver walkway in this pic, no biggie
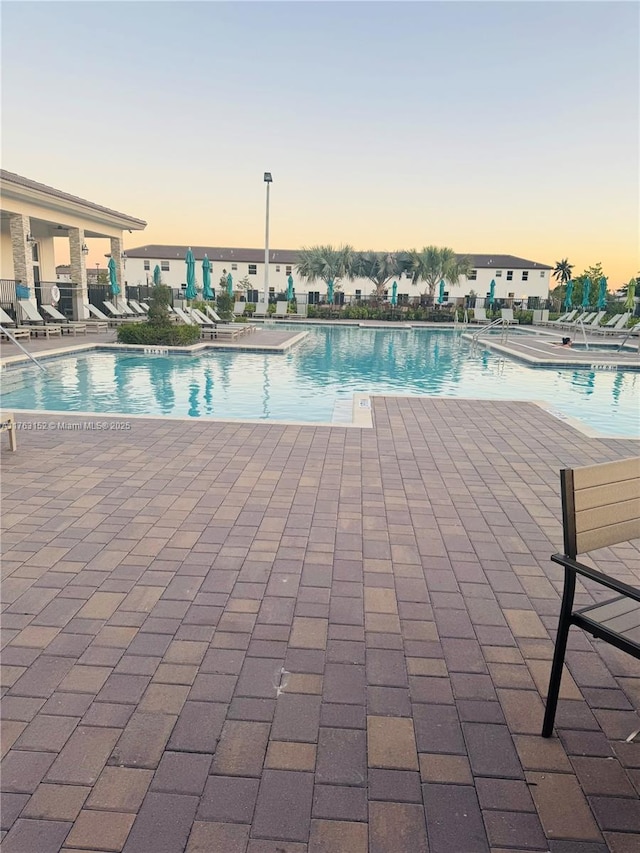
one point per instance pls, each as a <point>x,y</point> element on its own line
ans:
<point>253,638</point>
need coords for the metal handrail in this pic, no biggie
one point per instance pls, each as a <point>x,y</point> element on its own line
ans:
<point>584,333</point>
<point>19,345</point>
<point>492,325</point>
<point>628,335</point>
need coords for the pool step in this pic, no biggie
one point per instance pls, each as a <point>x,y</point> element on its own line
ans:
<point>342,411</point>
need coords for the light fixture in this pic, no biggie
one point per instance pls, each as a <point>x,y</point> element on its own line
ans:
<point>267,177</point>
<point>30,239</point>
<point>85,249</point>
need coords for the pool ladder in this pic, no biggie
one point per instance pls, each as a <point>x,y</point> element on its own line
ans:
<point>494,324</point>
<point>19,345</point>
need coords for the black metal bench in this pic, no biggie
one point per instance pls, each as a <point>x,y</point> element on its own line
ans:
<point>600,507</point>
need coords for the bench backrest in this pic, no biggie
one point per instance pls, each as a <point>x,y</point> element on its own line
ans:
<point>600,505</point>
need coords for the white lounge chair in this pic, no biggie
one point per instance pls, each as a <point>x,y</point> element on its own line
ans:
<point>137,308</point>
<point>28,313</point>
<point>184,317</point>
<point>18,332</point>
<point>563,318</point>
<point>261,310</point>
<point>507,315</point>
<point>616,324</point>
<point>479,315</point>
<point>239,309</point>
<point>144,306</point>
<point>282,308</point>
<point>99,315</point>
<point>69,326</point>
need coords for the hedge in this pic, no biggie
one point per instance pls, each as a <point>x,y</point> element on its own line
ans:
<point>150,335</point>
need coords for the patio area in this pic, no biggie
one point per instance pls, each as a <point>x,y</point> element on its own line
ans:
<point>254,638</point>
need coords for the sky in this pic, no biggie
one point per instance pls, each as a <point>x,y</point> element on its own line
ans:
<point>488,127</point>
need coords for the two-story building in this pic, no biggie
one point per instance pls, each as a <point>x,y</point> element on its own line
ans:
<point>515,278</point>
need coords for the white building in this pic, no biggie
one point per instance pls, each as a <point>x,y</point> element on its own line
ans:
<point>515,278</point>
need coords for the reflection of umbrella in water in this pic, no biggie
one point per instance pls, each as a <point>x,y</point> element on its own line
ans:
<point>290,288</point>
<point>630,302</point>
<point>441,293</point>
<point>194,410</point>
<point>585,292</point>
<point>568,296</point>
<point>617,385</point>
<point>394,293</point>
<point>602,294</point>
<point>330,292</point>
<point>207,293</point>
<point>113,278</point>
<point>190,261</point>
<point>492,292</point>
<point>157,277</point>
<point>208,391</point>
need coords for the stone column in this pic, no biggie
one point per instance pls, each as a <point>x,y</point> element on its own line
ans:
<point>79,292</point>
<point>20,227</point>
<point>116,254</point>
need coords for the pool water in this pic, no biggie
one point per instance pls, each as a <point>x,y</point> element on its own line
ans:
<point>315,380</point>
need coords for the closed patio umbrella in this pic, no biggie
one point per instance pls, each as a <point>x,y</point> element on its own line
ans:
<point>630,302</point>
<point>568,296</point>
<point>230,284</point>
<point>156,275</point>
<point>190,261</point>
<point>585,292</point>
<point>394,293</point>
<point>492,292</point>
<point>113,278</point>
<point>330,292</point>
<point>290,288</point>
<point>602,294</point>
<point>441,293</point>
<point>207,292</point>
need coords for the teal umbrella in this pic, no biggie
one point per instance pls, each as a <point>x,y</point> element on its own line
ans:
<point>290,288</point>
<point>207,293</point>
<point>190,261</point>
<point>602,294</point>
<point>568,296</point>
<point>230,284</point>
<point>630,302</point>
<point>330,292</point>
<point>394,293</point>
<point>441,293</point>
<point>113,278</point>
<point>585,292</point>
<point>492,292</point>
<point>156,275</point>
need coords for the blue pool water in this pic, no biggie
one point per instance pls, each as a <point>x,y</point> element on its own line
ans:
<point>315,380</point>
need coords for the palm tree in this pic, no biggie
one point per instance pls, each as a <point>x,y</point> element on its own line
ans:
<point>434,264</point>
<point>326,263</point>
<point>562,271</point>
<point>378,267</point>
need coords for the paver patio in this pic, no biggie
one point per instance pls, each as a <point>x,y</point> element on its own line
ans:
<point>255,638</point>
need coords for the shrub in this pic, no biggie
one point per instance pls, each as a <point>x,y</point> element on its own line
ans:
<point>224,305</point>
<point>150,334</point>
<point>159,306</point>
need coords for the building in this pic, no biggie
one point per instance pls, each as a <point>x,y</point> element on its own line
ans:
<point>515,278</point>
<point>32,216</point>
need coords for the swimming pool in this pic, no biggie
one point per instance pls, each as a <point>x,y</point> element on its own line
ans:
<point>315,380</point>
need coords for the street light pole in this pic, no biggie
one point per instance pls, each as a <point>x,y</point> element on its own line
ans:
<point>268,179</point>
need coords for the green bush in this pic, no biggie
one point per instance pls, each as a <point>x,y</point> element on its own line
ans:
<point>224,305</point>
<point>150,334</point>
<point>159,306</point>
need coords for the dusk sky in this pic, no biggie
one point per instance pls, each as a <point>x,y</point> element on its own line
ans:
<point>487,127</point>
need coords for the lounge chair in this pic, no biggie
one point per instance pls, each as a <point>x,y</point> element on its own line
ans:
<point>18,332</point>
<point>617,324</point>
<point>261,311</point>
<point>595,320</point>
<point>564,318</point>
<point>239,309</point>
<point>185,317</point>
<point>28,313</point>
<point>507,315</point>
<point>137,308</point>
<point>144,306</point>
<point>69,326</point>
<point>207,326</point>
<point>99,315</point>
<point>282,308</point>
<point>125,310</point>
<point>479,315</point>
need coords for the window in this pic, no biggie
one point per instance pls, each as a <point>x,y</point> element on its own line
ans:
<point>278,268</point>
<point>358,294</point>
<point>287,270</point>
<point>34,253</point>
<point>253,269</point>
<point>509,275</point>
<point>498,273</point>
<point>473,275</point>
<point>510,295</point>
<point>147,265</point>
<point>541,273</point>
<point>272,290</point>
<point>234,267</point>
<point>525,275</point>
<point>164,266</point>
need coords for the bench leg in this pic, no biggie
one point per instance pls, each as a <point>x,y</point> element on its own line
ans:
<point>558,656</point>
